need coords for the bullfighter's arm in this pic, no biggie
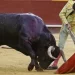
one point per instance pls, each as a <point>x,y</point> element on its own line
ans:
<point>62,15</point>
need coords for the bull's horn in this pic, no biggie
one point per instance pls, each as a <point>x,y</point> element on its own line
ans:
<point>51,48</point>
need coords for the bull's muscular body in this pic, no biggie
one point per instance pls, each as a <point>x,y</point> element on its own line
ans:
<point>28,34</point>
<point>19,28</point>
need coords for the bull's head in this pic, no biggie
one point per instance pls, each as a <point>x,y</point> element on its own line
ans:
<point>48,50</point>
<point>48,56</point>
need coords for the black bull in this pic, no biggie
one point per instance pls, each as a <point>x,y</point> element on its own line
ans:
<point>28,34</point>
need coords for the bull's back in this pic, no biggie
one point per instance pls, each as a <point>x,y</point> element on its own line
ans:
<point>8,28</point>
<point>12,24</point>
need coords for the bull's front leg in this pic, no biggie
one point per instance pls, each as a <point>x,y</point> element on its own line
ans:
<point>31,65</point>
<point>27,49</point>
<point>37,66</point>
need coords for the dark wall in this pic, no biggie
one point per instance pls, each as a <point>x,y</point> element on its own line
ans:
<point>47,9</point>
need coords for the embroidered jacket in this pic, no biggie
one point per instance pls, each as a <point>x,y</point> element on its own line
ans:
<point>64,13</point>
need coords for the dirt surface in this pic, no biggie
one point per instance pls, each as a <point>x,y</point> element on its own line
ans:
<point>13,62</point>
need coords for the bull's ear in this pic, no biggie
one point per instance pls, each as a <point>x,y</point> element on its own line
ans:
<point>49,52</point>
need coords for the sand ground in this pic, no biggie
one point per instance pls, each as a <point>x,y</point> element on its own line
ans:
<point>13,62</point>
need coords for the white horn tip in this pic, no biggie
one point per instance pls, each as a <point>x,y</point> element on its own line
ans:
<point>49,52</point>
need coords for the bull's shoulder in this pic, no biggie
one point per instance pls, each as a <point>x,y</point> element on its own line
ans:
<point>31,16</point>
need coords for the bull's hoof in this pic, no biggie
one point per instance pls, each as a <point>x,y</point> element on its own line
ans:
<point>30,67</point>
<point>39,69</point>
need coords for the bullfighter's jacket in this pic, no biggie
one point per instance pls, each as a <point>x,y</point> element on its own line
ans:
<point>64,13</point>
